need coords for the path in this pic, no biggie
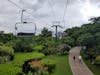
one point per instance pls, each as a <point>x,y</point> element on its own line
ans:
<point>78,68</point>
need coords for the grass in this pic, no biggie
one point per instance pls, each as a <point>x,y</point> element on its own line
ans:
<point>14,67</point>
<point>62,65</point>
<point>94,68</point>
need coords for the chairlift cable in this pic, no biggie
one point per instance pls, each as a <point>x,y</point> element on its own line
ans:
<point>65,11</point>
<point>26,11</point>
<point>52,10</point>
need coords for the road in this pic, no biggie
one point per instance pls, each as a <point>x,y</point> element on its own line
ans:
<point>78,68</point>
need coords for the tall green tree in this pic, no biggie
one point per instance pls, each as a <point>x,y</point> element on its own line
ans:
<point>46,33</point>
<point>86,39</point>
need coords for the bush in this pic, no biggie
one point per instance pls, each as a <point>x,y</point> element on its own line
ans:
<point>4,59</point>
<point>49,51</point>
<point>1,43</point>
<point>97,60</point>
<point>39,67</point>
<point>97,49</point>
<point>63,49</point>
<point>51,65</point>
<point>23,46</point>
<point>7,53</point>
<point>0,59</point>
<point>45,73</point>
<point>38,48</point>
<point>5,50</point>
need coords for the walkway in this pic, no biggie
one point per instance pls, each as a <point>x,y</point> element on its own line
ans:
<point>77,67</point>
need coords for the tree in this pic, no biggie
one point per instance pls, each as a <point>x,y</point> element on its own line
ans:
<point>95,20</point>
<point>97,36</point>
<point>70,32</point>
<point>86,39</point>
<point>6,37</point>
<point>46,33</point>
<point>68,40</point>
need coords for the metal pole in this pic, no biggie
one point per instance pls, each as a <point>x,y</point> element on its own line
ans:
<point>16,28</point>
<point>22,15</point>
<point>56,35</point>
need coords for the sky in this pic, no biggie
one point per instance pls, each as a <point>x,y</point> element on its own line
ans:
<point>45,13</point>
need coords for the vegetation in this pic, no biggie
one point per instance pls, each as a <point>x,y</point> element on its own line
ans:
<point>23,45</point>
<point>15,66</point>
<point>88,36</point>
<point>62,66</point>
<point>7,53</point>
<point>94,68</point>
<point>38,48</point>
<point>39,67</point>
<point>68,40</point>
<point>46,33</point>
<point>5,50</point>
<point>41,50</point>
<point>63,49</point>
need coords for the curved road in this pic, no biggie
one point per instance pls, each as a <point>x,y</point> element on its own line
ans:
<point>77,67</point>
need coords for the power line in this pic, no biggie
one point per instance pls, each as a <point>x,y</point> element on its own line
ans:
<point>65,11</point>
<point>25,11</point>
<point>15,4</point>
<point>51,9</point>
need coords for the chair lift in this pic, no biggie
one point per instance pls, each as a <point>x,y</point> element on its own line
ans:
<point>22,33</point>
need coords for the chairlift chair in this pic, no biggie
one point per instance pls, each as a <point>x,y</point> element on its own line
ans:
<point>22,33</point>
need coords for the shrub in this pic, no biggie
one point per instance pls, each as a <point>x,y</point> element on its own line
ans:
<point>23,46</point>
<point>49,51</point>
<point>51,65</point>
<point>1,43</point>
<point>97,60</point>
<point>5,50</point>
<point>38,48</point>
<point>45,73</point>
<point>39,67</point>
<point>0,57</point>
<point>63,49</point>
<point>4,59</point>
<point>7,53</point>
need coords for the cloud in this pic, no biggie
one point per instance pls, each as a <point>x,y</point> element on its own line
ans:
<point>91,9</point>
<point>77,13</point>
<point>32,4</point>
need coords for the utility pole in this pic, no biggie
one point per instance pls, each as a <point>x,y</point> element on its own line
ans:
<point>56,29</point>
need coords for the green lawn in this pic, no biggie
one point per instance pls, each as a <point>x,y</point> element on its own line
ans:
<point>13,67</point>
<point>62,65</point>
<point>95,69</point>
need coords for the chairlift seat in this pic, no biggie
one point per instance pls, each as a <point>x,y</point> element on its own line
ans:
<point>23,33</point>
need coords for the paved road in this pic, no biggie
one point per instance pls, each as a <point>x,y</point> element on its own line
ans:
<point>77,67</point>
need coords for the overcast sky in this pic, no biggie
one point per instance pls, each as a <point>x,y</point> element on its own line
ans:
<point>43,12</point>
